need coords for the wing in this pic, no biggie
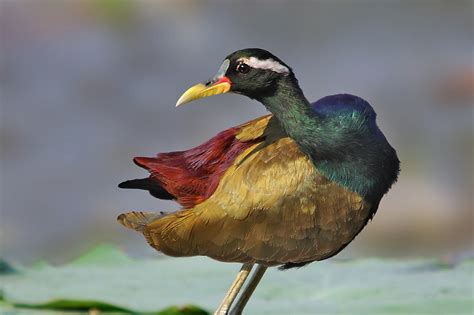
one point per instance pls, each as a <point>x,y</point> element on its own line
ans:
<point>192,176</point>
<point>271,206</point>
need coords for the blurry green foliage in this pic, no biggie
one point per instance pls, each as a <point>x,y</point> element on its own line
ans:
<point>6,268</point>
<point>116,12</point>
<point>103,254</point>
<point>107,280</point>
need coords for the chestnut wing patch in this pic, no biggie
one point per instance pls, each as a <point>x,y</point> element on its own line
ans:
<point>193,175</point>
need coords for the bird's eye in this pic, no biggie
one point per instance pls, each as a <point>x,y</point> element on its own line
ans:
<point>243,68</point>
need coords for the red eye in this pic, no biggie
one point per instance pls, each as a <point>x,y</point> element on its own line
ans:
<point>243,68</point>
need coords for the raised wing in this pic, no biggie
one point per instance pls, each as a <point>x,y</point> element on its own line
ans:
<point>192,176</point>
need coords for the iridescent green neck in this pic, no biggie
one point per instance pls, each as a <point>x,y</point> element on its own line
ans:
<point>289,105</point>
<point>343,143</point>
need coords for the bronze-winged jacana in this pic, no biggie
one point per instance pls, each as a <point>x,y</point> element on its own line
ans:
<point>285,189</point>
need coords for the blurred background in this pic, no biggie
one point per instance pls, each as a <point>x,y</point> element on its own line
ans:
<point>87,85</point>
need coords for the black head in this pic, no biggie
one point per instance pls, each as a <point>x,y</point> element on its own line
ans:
<point>255,71</point>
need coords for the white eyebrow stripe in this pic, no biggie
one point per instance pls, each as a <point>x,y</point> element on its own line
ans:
<point>267,64</point>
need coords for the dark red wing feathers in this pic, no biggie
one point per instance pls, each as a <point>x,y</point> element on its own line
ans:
<point>192,176</point>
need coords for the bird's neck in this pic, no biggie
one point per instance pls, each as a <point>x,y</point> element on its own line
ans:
<point>291,108</point>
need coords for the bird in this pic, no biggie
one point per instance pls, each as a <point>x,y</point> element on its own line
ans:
<point>283,190</point>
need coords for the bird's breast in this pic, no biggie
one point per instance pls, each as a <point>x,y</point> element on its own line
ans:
<point>279,208</point>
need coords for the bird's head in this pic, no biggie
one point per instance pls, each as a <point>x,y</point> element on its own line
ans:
<point>252,72</point>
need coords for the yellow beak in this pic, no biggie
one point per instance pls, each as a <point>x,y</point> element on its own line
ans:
<point>201,90</point>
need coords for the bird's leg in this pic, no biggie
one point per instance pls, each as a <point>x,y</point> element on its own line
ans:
<point>245,297</point>
<point>234,289</point>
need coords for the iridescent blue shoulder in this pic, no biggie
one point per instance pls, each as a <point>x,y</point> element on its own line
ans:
<point>342,104</point>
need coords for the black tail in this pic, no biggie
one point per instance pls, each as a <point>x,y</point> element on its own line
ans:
<point>153,187</point>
